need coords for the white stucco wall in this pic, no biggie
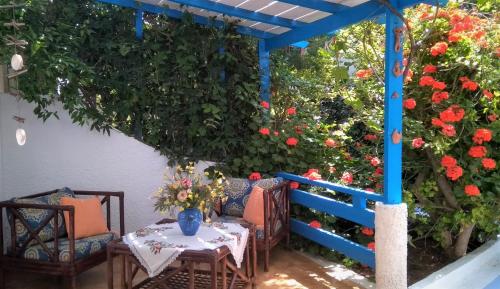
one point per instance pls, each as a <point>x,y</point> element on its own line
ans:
<point>59,153</point>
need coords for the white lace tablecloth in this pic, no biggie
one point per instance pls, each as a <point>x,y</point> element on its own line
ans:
<point>157,246</point>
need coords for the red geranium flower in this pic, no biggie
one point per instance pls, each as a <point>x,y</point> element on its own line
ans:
<point>371,246</point>
<point>276,133</point>
<point>472,191</point>
<point>330,143</point>
<point>315,224</point>
<point>488,94</point>
<point>409,103</point>
<point>294,185</point>
<point>291,111</point>
<point>367,231</point>
<point>312,174</point>
<point>482,135</point>
<point>264,104</point>
<point>448,130</point>
<point>454,37</point>
<point>417,143</point>
<point>364,73</point>
<point>438,85</point>
<point>375,162</point>
<point>478,151</point>
<point>426,81</point>
<point>264,131</point>
<point>470,85</point>
<point>255,176</point>
<point>454,113</point>
<point>439,96</point>
<point>439,48</point>
<point>488,163</point>
<point>492,117</point>
<point>291,141</point>
<point>429,68</point>
<point>448,161</point>
<point>370,137</point>
<point>378,172</point>
<point>437,122</point>
<point>454,172</point>
<point>347,178</point>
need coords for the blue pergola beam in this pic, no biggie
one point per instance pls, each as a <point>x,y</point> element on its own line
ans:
<point>320,5</point>
<point>179,14</point>
<point>393,111</point>
<point>343,18</point>
<point>139,24</point>
<point>241,13</point>
<point>265,72</point>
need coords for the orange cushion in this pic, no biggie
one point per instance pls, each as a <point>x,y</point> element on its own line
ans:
<point>89,218</point>
<point>254,209</point>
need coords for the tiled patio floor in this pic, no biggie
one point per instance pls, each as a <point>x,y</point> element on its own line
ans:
<point>289,270</point>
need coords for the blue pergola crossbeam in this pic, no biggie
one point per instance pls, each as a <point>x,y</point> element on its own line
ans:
<point>241,13</point>
<point>338,20</point>
<point>179,14</point>
<point>343,18</point>
<point>320,5</point>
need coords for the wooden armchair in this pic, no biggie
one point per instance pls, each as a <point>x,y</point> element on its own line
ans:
<point>61,255</point>
<point>276,213</point>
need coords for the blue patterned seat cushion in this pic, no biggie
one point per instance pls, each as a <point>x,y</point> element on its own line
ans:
<point>260,229</point>
<point>238,191</point>
<point>35,217</point>
<point>83,248</point>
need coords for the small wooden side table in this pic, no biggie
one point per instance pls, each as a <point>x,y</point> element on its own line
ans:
<point>186,275</point>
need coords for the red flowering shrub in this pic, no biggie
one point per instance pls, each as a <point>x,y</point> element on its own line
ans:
<point>417,143</point>
<point>472,190</point>
<point>409,103</point>
<point>265,104</point>
<point>365,73</point>
<point>255,176</point>
<point>291,141</point>
<point>367,231</point>
<point>439,48</point>
<point>315,224</point>
<point>264,131</point>
<point>488,163</point>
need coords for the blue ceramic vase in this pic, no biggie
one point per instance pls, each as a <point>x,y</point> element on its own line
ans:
<point>190,221</point>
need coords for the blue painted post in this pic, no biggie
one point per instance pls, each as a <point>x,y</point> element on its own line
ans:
<point>222,74</point>
<point>393,110</point>
<point>265,72</point>
<point>139,24</point>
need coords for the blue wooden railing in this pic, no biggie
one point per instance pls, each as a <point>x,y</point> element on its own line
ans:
<point>356,212</point>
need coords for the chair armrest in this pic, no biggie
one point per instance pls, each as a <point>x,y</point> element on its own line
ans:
<point>14,207</point>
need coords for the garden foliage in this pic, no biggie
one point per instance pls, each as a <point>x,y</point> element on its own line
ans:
<point>322,122</point>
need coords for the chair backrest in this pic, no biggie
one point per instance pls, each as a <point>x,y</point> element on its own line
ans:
<point>238,190</point>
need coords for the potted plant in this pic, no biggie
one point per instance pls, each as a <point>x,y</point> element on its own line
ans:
<point>192,193</point>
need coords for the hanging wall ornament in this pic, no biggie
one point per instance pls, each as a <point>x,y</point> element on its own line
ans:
<point>20,132</point>
<point>16,62</point>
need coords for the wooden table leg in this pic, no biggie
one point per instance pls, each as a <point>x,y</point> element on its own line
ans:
<point>223,272</point>
<point>128,265</point>
<point>110,269</point>
<point>123,274</point>
<point>191,275</point>
<point>213,273</point>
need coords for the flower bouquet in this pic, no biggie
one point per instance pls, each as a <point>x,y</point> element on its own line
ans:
<point>192,193</point>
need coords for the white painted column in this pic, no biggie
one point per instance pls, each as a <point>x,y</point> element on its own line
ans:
<point>391,252</point>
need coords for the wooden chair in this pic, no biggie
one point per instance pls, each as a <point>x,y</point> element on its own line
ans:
<point>276,220</point>
<point>57,256</point>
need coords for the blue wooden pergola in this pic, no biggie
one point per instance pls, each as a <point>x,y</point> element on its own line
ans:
<point>285,22</point>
